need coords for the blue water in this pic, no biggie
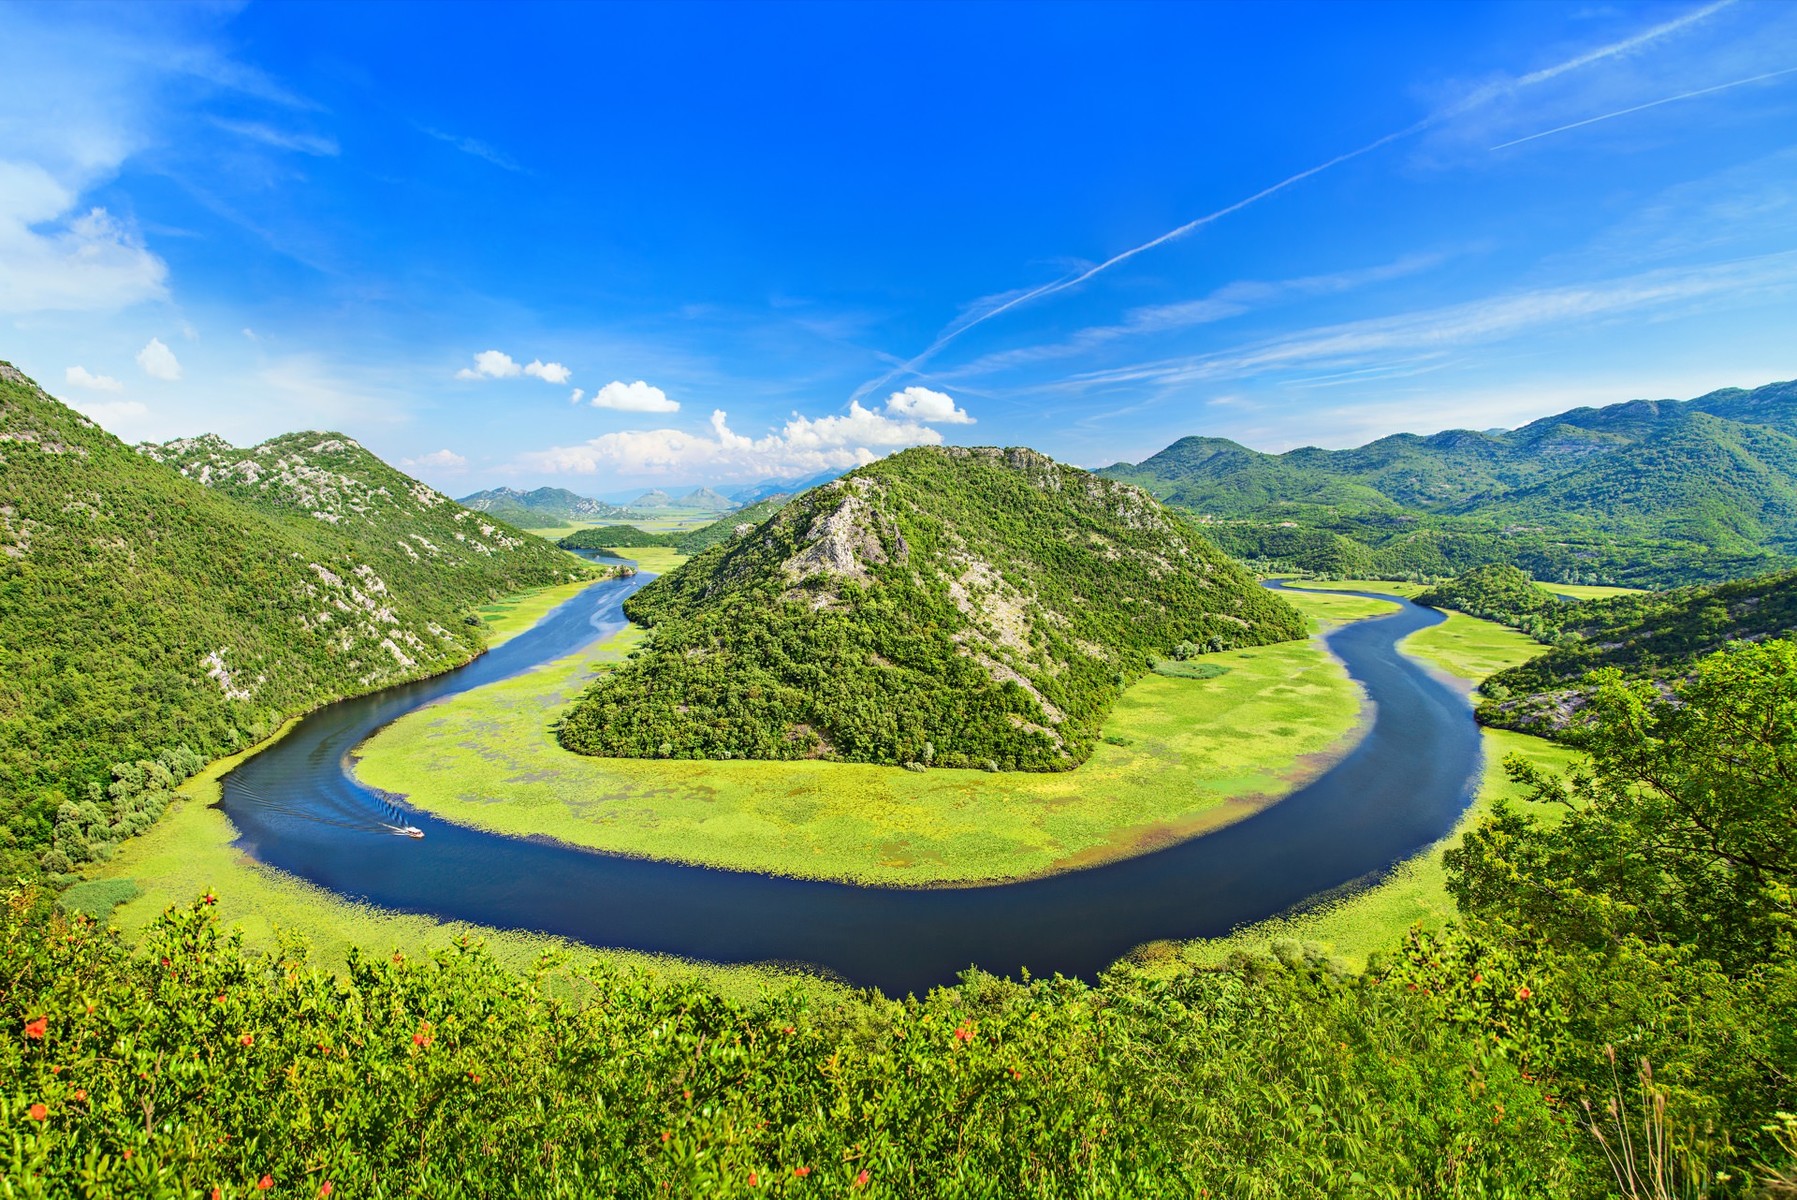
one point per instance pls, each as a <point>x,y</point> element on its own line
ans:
<point>1404,786</point>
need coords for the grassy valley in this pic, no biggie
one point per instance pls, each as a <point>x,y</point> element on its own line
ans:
<point>955,608</point>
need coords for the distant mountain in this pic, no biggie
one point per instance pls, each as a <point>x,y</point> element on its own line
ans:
<point>962,607</point>
<point>543,508</point>
<point>168,604</point>
<point>651,500</point>
<point>748,493</point>
<point>705,500</point>
<point>1710,483</point>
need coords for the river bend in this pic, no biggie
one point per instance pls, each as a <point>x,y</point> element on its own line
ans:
<point>297,807</point>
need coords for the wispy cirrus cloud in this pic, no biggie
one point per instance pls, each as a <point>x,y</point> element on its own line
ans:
<point>1467,102</point>
<point>282,139</point>
<point>1403,341</point>
<point>475,147</point>
<point>1623,112</point>
<point>1231,300</point>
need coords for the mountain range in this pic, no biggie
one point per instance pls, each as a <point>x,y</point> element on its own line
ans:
<point>1643,491</point>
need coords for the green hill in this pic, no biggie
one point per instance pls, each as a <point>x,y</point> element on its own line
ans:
<point>1642,492</point>
<point>156,616</point>
<point>1501,593</point>
<point>944,605</point>
<point>608,537</point>
<point>1652,635</point>
<point>706,500</point>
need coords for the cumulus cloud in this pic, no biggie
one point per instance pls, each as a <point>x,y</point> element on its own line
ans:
<point>81,377</point>
<point>442,460</point>
<point>922,404</point>
<point>52,258</point>
<point>491,364</point>
<point>633,397</point>
<point>159,362</point>
<point>497,364</point>
<point>802,446</point>
<point>548,372</point>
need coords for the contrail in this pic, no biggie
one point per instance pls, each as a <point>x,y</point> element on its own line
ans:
<point>1478,97</point>
<point>1623,112</point>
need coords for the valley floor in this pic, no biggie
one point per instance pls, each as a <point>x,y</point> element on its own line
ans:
<point>1180,757</point>
<point>1229,745</point>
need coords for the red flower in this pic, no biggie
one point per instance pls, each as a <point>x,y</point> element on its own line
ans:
<point>264,1183</point>
<point>801,1172</point>
<point>38,1112</point>
<point>248,1039</point>
<point>1523,993</point>
<point>754,1179</point>
<point>218,1194</point>
<point>964,1033</point>
<point>208,898</point>
<point>325,1188</point>
<point>861,1179</point>
<point>38,1028</point>
<point>81,1095</point>
<point>1478,978</point>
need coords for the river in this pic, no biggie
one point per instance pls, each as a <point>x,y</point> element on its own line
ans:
<point>297,807</point>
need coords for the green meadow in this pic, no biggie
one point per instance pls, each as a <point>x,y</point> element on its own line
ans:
<point>1180,757</point>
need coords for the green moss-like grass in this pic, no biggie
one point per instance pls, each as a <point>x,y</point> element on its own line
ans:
<point>1189,756</point>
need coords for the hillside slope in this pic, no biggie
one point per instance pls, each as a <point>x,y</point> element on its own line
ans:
<point>145,611</point>
<point>1705,488</point>
<point>944,605</point>
<point>1654,635</point>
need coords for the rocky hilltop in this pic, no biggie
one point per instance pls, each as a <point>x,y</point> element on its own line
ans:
<point>944,606</point>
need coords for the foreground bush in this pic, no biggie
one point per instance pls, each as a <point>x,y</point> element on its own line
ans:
<point>193,1067</point>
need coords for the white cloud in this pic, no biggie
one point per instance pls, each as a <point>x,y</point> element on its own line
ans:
<point>283,139</point>
<point>634,397</point>
<point>802,446</point>
<point>250,334</point>
<point>491,364</point>
<point>113,413</point>
<point>159,362</point>
<point>474,146</point>
<point>576,396</point>
<point>81,377</point>
<point>442,460</point>
<point>54,258</point>
<point>922,404</point>
<point>548,372</point>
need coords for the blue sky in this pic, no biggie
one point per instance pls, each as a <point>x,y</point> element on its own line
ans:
<point>597,246</point>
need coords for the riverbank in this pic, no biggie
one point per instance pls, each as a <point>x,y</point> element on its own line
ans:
<point>1372,917</point>
<point>1180,757</point>
<point>190,852</point>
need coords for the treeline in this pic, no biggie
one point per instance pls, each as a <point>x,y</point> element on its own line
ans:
<point>152,619</point>
<point>940,607</point>
<point>1656,636</point>
<point>1615,1014</point>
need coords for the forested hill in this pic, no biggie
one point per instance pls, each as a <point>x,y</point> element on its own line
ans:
<point>1709,486</point>
<point>1653,635</point>
<point>146,611</point>
<point>946,606</point>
